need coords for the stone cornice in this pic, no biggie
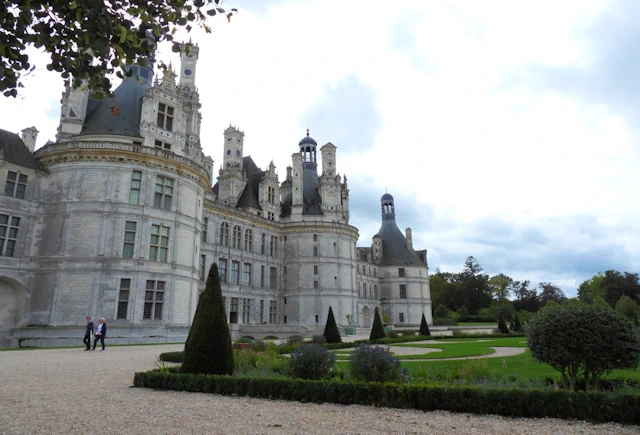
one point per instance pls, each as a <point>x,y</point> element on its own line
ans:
<point>75,151</point>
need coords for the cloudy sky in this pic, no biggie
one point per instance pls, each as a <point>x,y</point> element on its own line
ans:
<point>505,130</point>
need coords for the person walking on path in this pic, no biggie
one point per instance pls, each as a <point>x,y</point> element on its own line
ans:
<point>87,333</point>
<point>101,333</point>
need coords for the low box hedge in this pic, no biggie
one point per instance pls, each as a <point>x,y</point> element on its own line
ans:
<point>599,407</point>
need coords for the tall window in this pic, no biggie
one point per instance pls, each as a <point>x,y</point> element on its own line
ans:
<point>205,227</point>
<point>8,234</point>
<point>129,240</point>
<point>248,240</point>
<point>263,242</point>
<point>262,276</point>
<point>315,237</point>
<point>203,267</point>
<point>316,284</point>
<point>233,313</point>
<point>401,272</point>
<point>164,193</point>
<point>165,117</point>
<point>16,185</point>
<point>315,269</point>
<point>273,278</point>
<point>159,245</point>
<point>375,272</point>
<point>315,251</point>
<point>274,246</point>
<point>236,237</point>
<point>400,317</point>
<point>246,310</point>
<point>364,289</point>
<point>375,291</point>
<point>235,273</point>
<point>224,234</point>
<point>403,291</point>
<point>134,194</point>
<point>261,311</point>
<point>272,312</point>
<point>222,270</point>
<point>246,274</point>
<point>271,195</point>
<point>153,300</point>
<point>123,298</point>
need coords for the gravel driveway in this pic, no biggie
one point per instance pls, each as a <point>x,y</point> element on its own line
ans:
<point>69,391</point>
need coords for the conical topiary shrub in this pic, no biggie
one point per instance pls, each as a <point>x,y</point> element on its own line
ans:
<point>518,326</point>
<point>424,327</point>
<point>502,327</point>
<point>377,331</point>
<point>331,333</point>
<point>208,349</point>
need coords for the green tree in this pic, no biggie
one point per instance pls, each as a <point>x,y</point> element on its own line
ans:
<point>441,312</point>
<point>581,340</point>
<point>502,327</point>
<point>424,327</point>
<point>331,332</point>
<point>550,292</point>
<point>627,307</point>
<point>591,288</point>
<point>517,327</point>
<point>504,309</point>
<point>208,349</point>
<point>377,331</point>
<point>91,39</point>
<point>500,287</point>
<point>476,285</point>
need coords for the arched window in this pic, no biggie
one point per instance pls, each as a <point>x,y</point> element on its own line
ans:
<point>236,237</point>
<point>224,234</point>
<point>248,240</point>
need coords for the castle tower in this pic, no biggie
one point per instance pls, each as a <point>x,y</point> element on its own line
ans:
<point>232,180</point>
<point>188,62</point>
<point>328,159</point>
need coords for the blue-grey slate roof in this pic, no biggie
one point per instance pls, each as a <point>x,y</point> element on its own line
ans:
<point>16,152</point>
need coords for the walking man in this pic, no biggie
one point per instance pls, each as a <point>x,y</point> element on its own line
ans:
<point>101,333</point>
<point>87,333</point>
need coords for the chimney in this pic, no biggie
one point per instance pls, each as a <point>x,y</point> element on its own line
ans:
<point>29,136</point>
<point>409,239</point>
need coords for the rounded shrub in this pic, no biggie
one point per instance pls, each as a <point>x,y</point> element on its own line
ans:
<point>393,334</point>
<point>318,339</point>
<point>294,340</point>
<point>375,364</point>
<point>311,362</point>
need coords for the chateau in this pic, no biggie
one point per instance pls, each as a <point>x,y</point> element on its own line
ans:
<point>123,216</point>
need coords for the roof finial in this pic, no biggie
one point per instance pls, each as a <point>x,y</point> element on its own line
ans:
<point>307,132</point>
<point>386,190</point>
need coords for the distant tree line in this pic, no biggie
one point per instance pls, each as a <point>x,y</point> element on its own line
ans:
<point>473,295</point>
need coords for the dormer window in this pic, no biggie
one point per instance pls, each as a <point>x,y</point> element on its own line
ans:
<point>163,145</point>
<point>165,117</point>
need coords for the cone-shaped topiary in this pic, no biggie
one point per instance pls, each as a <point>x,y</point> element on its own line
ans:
<point>502,327</point>
<point>208,349</point>
<point>424,328</point>
<point>331,333</point>
<point>518,326</point>
<point>377,331</point>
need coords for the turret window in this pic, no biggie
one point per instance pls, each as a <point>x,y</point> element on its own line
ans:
<point>129,239</point>
<point>159,245</point>
<point>164,193</point>
<point>205,227</point>
<point>163,145</point>
<point>165,117</point>
<point>134,194</point>
<point>263,243</point>
<point>271,195</point>
<point>274,246</point>
<point>153,300</point>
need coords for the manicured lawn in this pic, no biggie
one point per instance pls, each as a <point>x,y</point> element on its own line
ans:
<point>494,324</point>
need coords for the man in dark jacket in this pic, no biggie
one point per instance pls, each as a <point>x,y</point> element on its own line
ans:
<point>87,333</point>
<point>101,333</point>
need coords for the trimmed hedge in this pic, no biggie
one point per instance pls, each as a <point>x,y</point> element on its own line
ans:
<point>600,407</point>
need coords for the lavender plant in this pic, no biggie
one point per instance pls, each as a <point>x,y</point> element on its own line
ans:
<point>375,364</point>
<point>311,362</point>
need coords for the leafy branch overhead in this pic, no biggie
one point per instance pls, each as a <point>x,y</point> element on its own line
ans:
<point>90,39</point>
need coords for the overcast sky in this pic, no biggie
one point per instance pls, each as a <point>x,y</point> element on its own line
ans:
<point>505,130</point>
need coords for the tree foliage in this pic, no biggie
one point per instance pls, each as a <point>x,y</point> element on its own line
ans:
<point>627,307</point>
<point>208,349</point>
<point>500,287</point>
<point>424,327</point>
<point>331,332</point>
<point>581,340</point>
<point>90,39</point>
<point>377,330</point>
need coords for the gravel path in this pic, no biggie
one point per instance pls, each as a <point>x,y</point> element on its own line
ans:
<point>69,391</point>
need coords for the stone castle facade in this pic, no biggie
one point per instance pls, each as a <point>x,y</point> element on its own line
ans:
<point>120,218</point>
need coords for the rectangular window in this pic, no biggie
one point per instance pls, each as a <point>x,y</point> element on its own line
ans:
<point>315,237</point>
<point>8,234</point>
<point>224,234</point>
<point>274,246</point>
<point>248,240</point>
<point>235,273</point>
<point>375,291</point>
<point>403,291</point>
<point>159,245</point>
<point>375,272</point>
<point>163,145</point>
<point>236,237</point>
<point>262,276</point>
<point>164,193</point>
<point>401,272</point>
<point>246,311</point>
<point>165,117</point>
<point>222,270</point>
<point>401,317</point>
<point>203,267</point>
<point>273,278</point>
<point>123,298</point>
<point>315,251</point>
<point>134,194</point>
<point>153,300</point>
<point>263,242</point>
<point>233,314</point>
<point>315,269</point>
<point>16,185</point>
<point>129,240</point>
<point>271,195</point>
<point>246,274</point>
<point>261,311</point>
<point>364,289</point>
<point>316,284</point>
<point>272,312</point>
<point>205,227</point>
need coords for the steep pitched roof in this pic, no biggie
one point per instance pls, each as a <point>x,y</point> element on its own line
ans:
<point>249,196</point>
<point>16,152</point>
